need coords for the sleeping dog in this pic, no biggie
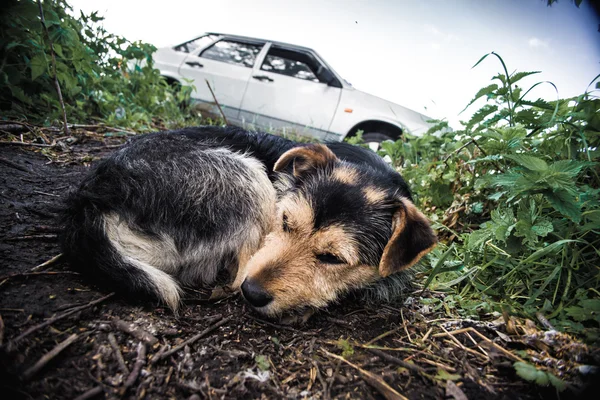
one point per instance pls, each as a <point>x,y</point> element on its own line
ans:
<point>295,225</point>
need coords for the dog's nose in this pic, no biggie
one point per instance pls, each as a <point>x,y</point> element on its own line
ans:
<point>255,294</point>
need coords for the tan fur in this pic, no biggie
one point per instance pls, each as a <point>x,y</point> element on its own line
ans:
<point>345,175</point>
<point>305,158</point>
<point>408,213</point>
<point>374,195</point>
<point>287,267</point>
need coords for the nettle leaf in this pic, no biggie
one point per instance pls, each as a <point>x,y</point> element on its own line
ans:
<point>581,314</point>
<point>520,75</point>
<point>38,65</point>
<point>504,223</point>
<point>486,91</point>
<point>570,167</point>
<point>481,114</point>
<point>542,227</point>
<point>565,203</point>
<point>532,374</point>
<point>530,162</point>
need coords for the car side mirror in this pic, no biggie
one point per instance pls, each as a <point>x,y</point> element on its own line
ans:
<point>327,76</point>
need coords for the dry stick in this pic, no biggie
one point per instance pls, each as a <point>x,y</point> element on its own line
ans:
<point>137,367</point>
<point>30,372</point>
<point>15,165</point>
<point>216,101</point>
<point>93,392</point>
<point>56,84</point>
<point>397,361</point>
<point>135,331</point>
<point>26,144</point>
<point>382,387</point>
<point>384,334</point>
<point>471,329</point>
<point>463,347</point>
<point>17,275</point>
<point>47,263</point>
<point>29,331</point>
<point>115,346</point>
<point>194,338</point>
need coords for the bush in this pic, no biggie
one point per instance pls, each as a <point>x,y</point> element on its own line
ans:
<point>91,66</point>
<point>515,197</point>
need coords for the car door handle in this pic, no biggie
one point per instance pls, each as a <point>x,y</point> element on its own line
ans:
<point>194,64</point>
<point>262,78</point>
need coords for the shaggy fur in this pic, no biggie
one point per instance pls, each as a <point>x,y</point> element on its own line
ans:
<point>295,225</point>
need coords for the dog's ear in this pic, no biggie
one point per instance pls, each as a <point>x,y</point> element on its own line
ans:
<point>412,238</point>
<point>305,159</point>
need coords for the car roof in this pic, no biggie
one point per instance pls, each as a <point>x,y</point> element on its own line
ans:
<point>253,39</point>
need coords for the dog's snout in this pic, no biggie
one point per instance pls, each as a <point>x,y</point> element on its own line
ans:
<point>255,293</point>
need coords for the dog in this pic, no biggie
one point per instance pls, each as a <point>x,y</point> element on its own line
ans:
<point>293,225</point>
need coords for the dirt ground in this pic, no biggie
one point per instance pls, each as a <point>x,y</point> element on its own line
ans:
<point>63,338</point>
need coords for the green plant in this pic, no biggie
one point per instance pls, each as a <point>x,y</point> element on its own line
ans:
<point>103,77</point>
<point>515,198</point>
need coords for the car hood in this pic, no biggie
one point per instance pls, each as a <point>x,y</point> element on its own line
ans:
<point>373,107</point>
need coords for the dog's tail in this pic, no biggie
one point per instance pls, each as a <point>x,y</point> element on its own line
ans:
<point>87,245</point>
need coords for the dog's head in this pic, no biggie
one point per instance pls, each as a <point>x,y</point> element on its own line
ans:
<point>339,226</point>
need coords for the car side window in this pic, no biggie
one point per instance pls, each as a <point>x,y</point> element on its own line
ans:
<point>232,52</point>
<point>291,63</point>
<point>192,45</point>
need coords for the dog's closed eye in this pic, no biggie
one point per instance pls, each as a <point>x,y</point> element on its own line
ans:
<point>328,258</point>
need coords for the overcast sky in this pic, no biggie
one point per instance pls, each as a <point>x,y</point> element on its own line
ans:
<point>416,53</point>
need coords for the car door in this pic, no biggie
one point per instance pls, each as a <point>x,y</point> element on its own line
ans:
<point>291,89</point>
<point>227,66</point>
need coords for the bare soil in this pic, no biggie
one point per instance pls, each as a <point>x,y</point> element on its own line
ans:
<point>115,349</point>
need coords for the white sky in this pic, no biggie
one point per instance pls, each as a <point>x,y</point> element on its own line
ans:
<point>416,53</point>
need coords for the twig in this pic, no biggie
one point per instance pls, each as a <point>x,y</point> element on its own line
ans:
<point>321,380</point>
<point>115,346</point>
<point>135,331</point>
<point>194,338</point>
<point>46,194</point>
<point>29,331</point>
<point>56,84</point>
<point>382,387</point>
<point>15,165</point>
<point>370,342</point>
<point>460,345</point>
<point>38,273</point>
<point>471,329</point>
<point>46,358</point>
<point>46,236</point>
<point>46,263</point>
<point>137,367</point>
<point>1,330</point>
<point>404,325</point>
<point>13,128</point>
<point>26,144</point>
<point>216,101</point>
<point>93,392</point>
<point>397,361</point>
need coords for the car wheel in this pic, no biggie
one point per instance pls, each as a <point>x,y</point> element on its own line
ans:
<point>374,139</point>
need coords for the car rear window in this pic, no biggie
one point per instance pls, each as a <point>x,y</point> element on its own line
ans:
<point>232,52</point>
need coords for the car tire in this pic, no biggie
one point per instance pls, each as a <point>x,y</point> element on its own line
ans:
<point>374,139</point>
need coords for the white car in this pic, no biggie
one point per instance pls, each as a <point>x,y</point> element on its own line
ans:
<point>269,85</point>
